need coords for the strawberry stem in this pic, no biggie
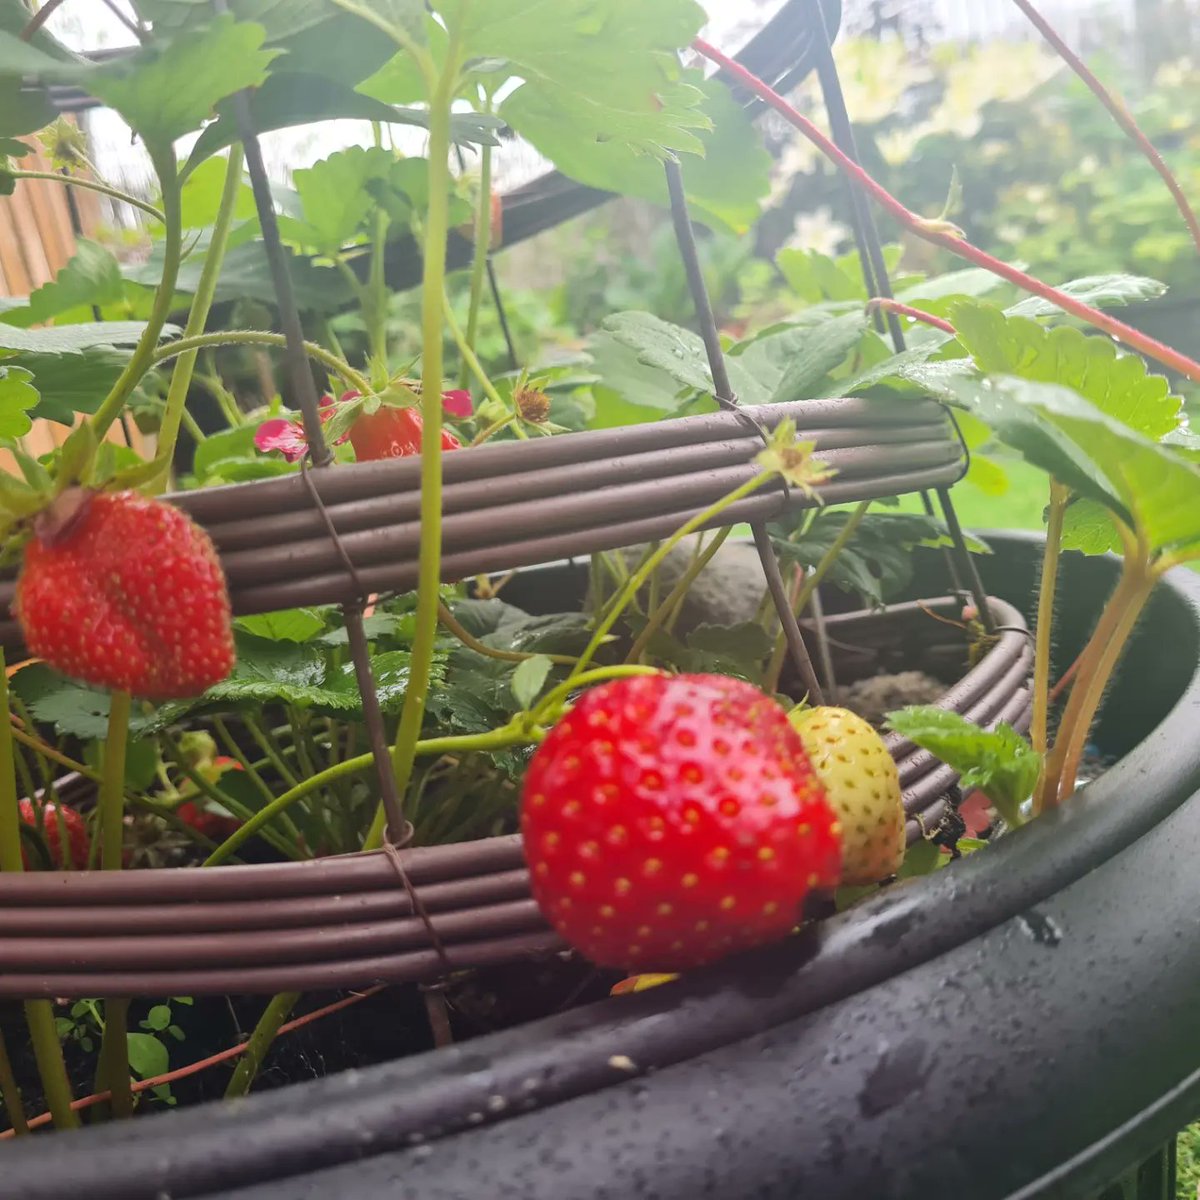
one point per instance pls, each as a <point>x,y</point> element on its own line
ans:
<point>1119,113</point>
<point>887,304</point>
<point>475,366</point>
<point>143,355</point>
<point>185,363</point>
<point>634,583</point>
<point>1039,725</point>
<point>261,337</point>
<point>482,248</point>
<point>274,1015</point>
<point>429,567</point>
<point>92,185</point>
<point>939,234</point>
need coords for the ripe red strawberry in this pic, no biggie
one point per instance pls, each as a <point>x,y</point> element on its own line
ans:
<point>669,821</point>
<point>392,433</point>
<point>214,825</point>
<point>124,592</point>
<point>75,855</point>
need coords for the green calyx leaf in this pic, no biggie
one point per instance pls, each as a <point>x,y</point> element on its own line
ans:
<point>998,762</point>
<point>76,456</point>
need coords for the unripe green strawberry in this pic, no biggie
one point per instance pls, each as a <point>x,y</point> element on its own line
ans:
<point>863,787</point>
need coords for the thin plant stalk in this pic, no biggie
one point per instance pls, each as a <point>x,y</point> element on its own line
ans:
<point>660,614</point>
<point>112,1068</point>
<point>206,288</point>
<point>1119,113</point>
<point>10,1093</point>
<point>813,581</point>
<point>273,1017</point>
<point>143,357</point>
<point>482,248</point>
<point>1047,589</point>
<point>94,185</point>
<point>433,298</point>
<point>471,360</point>
<point>448,619</point>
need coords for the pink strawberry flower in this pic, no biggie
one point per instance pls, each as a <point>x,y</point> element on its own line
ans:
<point>458,403</point>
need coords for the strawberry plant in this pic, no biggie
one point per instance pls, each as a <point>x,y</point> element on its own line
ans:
<point>683,788</point>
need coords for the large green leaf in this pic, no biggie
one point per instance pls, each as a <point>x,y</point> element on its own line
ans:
<point>1088,527</point>
<point>1100,291</point>
<point>726,185</point>
<point>165,92</point>
<point>73,339</point>
<point>335,198</point>
<point>679,354</point>
<point>610,71</point>
<point>201,196</point>
<point>16,399</point>
<point>1116,383</point>
<point>72,383</point>
<point>812,352</point>
<point>92,276</point>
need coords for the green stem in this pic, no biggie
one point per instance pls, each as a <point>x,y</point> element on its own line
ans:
<point>811,582</point>
<point>194,431</point>
<point>235,752</point>
<point>1090,680</point>
<point>143,357</point>
<point>260,337</point>
<point>92,185</point>
<point>1089,690</point>
<point>10,1093</point>
<point>483,246</point>
<point>225,401</point>
<point>1039,725</point>
<point>112,1069</point>
<point>493,429</point>
<point>634,583</point>
<point>47,1051</point>
<point>377,291</point>
<point>433,295</point>
<point>476,367</point>
<point>259,1042</point>
<point>185,363</point>
<point>660,613</point>
<point>274,755</point>
<point>11,858</point>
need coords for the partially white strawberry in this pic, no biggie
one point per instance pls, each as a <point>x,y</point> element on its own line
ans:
<point>862,786</point>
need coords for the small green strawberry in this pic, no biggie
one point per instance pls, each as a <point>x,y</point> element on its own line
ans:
<point>863,787</point>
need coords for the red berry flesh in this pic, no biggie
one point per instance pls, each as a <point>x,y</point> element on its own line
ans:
<point>75,854</point>
<point>127,594</point>
<point>392,433</point>
<point>669,821</point>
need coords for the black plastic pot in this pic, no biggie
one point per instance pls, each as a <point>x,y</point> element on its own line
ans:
<point>1022,1025</point>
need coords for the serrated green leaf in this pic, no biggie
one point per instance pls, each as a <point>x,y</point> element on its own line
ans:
<point>610,71</point>
<point>17,397</point>
<point>746,642</point>
<point>529,678</point>
<point>972,281</point>
<point>1116,383</point>
<point>823,348</point>
<point>679,354</point>
<point>725,185</point>
<point>74,382</point>
<point>1088,527</point>
<point>165,92</point>
<point>91,276</point>
<point>74,339</point>
<point>998,762</point>
<point>1100,291</point>
<point>390,671</point>
<point>335,198</point>
<point>291,625</point>
<point>73,709</point>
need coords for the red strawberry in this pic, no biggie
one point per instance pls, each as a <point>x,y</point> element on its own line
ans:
<point>124,592</point>
<point>392,433</point>
<point>214,825</point>
<point>669,821</point>
<point>78,839</point>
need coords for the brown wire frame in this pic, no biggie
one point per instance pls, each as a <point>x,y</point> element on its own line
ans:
<point>328,536</point>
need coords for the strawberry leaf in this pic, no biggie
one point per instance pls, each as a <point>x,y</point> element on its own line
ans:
<point>291,625</point>
<point>17,397</point>
<point>1088,527</point>
<point>91,276</point>
<point>75,339</point>
<point>998,762</point>
<point>165,92</point>
<point>1100,291</point>
<point>1115,382</point>
<point>610,72</point>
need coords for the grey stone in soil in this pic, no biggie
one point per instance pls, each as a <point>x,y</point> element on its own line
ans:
<point>875,697</point>
<point>727,592</point>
